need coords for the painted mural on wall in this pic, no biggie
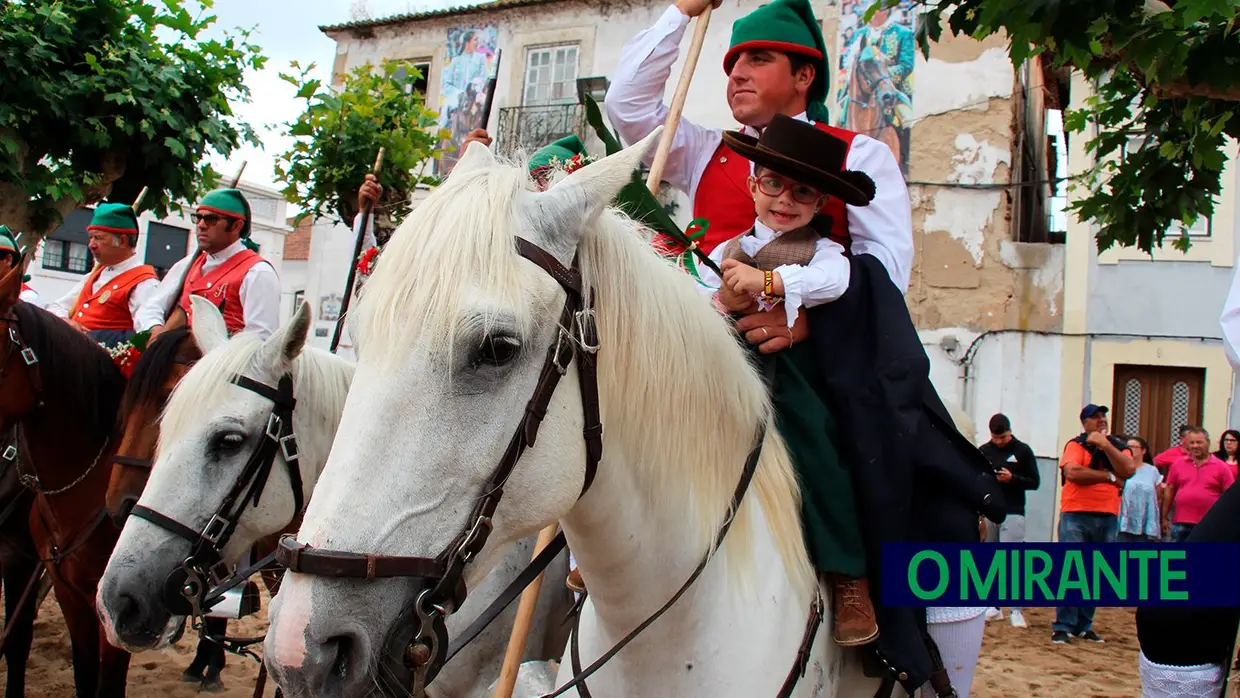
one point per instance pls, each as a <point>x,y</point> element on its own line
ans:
<point>468,63</point>
<point>876,73</point>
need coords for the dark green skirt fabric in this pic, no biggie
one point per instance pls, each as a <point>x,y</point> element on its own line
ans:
<point>828,509</point>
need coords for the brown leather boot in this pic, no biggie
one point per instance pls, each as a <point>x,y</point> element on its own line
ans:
<point>574,581</point>
<point>855,622</point>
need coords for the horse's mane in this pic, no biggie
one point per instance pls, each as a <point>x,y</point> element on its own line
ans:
<point>153,368</point>
<point>690,408</point>
<point>321,380</point>
<point>81,385</point>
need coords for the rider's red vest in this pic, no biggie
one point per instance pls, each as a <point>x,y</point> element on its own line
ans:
<point>723,197</point>
<point>221,286</point>
<point>108,309</point>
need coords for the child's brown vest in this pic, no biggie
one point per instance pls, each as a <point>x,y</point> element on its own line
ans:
<point>793,247</point>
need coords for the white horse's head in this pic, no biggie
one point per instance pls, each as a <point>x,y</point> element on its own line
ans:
<point>456,327</point>
<point>210,429</point>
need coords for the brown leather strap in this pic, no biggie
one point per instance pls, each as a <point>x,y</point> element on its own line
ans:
<point>807,646</point>
<point>306,560</point>
<point>570,279</point>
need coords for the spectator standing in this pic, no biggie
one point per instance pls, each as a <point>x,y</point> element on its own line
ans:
<point>1016,469</point>
<point>1094,467</point>
<point>1194,484</point>
<point>1165,459</point>
<point>1139,518</point>
<point>1229,449</point>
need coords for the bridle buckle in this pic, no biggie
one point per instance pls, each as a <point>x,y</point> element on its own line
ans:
<point>466,552</point>
<point>288,447</point>
<point>10,453</point>
<point>587,330</point>
<point>275,426</point>
<point>214,530</point>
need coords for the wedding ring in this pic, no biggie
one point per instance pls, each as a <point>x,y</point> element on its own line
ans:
<point>765,333</point>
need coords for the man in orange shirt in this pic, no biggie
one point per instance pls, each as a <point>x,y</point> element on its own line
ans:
<point>1094,467</point>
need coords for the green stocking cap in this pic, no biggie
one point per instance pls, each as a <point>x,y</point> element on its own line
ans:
<point>788,26</point>
<point>114,218</point>
<point>8,241</point>
<point>8,245</point>
<point>563,150</point>
<point>232,203</point>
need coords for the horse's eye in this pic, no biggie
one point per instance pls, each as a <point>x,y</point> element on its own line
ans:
<point>227,441</point>
<point>497,351</point>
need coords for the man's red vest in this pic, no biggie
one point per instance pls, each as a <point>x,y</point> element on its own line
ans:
<point>723,197</point>
<point>108,309</point>
<point>221,286</point>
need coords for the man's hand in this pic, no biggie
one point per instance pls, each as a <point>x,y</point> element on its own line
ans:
<point>1003,475</point>
<point>769,329</point>
<point>693,8</point>
<point>478,134</point>
<point>1098,439</point>
<point>370,192</point>
<point>156,330</point>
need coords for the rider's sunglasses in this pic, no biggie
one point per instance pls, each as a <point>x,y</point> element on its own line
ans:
<point>773,185</point>
<point>209,218</point>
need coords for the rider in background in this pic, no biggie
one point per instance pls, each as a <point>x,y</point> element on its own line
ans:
<point>229,272</point>
<point>106,303</point>
<point>10,256</point>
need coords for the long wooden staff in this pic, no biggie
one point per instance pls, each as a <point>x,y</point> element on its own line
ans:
<point>176,316</point>
<point>521,626</point>
<point>678,103</point>
<point>357,252</point>
<point>490,98</point>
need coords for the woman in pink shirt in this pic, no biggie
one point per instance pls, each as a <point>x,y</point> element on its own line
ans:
<point>1194,484</point>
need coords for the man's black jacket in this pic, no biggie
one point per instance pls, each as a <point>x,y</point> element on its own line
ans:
<point>916,478</point>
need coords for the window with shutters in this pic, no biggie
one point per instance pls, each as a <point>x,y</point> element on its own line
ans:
<point>550,75</point>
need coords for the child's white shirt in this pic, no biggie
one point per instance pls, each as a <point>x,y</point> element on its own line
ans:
<point>823,280</point>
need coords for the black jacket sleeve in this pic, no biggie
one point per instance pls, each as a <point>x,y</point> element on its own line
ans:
<point>1025,472</point>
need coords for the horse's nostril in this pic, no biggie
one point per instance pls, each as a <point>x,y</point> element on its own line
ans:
<point>128,612</point>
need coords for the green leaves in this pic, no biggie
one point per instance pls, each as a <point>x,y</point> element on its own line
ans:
<point>340,132</point>
<point>101,106</point>
<point>1168,69</point>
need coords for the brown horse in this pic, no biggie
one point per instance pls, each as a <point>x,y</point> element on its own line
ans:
<point>19,561</point>
<point>62,393</point>
<point>874,100</point>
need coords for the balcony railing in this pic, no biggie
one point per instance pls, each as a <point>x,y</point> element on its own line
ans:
<point>530,128</point>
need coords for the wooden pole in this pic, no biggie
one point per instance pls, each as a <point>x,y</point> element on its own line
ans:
<point>678,103</point>
<point>138,201</point>
<point>357,252</point>
<point>521,626</point>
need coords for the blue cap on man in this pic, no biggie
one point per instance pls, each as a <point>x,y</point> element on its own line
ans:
<point>1092,410</point>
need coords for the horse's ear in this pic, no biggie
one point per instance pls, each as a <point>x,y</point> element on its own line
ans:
<point>476,156</point>
<point>288,343</point>
<point>208,328</point>
<point>10,288</point>
<point>583,194</point>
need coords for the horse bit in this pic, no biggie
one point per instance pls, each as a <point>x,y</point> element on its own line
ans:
<point>200,581</point>
<point>441,579</point>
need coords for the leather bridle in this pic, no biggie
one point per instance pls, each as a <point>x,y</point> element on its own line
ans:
<point>441,587</point>
<point>441,579</point>
<point>198,583</point>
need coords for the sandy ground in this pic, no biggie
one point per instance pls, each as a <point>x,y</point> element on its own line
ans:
<point>1014,662</point>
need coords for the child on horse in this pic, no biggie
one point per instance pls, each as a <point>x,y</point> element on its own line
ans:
<point>784,258</point>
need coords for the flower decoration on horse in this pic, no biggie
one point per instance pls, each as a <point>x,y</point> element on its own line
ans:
<point>126,354</point>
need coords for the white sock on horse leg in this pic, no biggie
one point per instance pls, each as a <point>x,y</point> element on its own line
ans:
<point>959,643</point>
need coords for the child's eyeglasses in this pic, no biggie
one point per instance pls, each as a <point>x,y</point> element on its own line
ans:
<point>801,193</point>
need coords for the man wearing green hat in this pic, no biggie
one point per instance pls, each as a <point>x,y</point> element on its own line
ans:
<point>10,256</point>
<point>104,305</point>
<point>228,271</point>
<point>776,63</point>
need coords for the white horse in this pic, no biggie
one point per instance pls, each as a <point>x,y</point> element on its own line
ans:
<point>209,429</point>
<point>455,327</point>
